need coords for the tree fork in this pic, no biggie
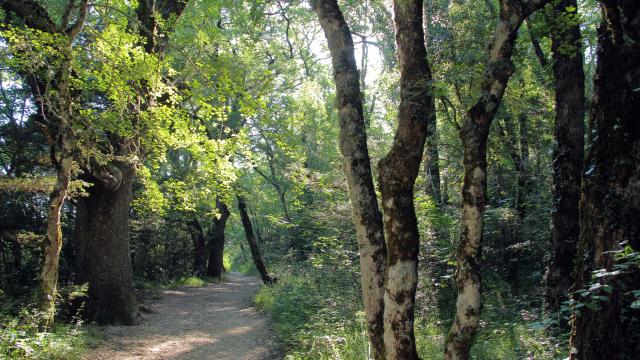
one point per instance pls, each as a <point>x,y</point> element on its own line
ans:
<point>398,173</point>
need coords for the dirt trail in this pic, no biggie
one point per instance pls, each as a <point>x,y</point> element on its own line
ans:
<point>212,322</point>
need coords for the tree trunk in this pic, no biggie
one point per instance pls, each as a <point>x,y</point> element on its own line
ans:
<point>253,244</point>
<point>102,234</point>
<point>53,244</point>
<point>610,203</point>
<point>215,268</point>
<point>432,170</point>
<point>474,135</point>
<point>432,156</point>
<point>568,157</point>
<point>199,248</point>
<point>445,190</point>
<point>523,174</point>
<point>398,172</point>
<point>54,101</point>
<point>357,167</point>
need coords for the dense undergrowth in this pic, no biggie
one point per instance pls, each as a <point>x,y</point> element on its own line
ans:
<point>317,310</point>
<point>20,337</point>
<point>318,315</point>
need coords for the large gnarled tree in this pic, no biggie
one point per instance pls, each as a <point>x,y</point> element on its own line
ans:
<point>102,229</point>
<point>610,202</point>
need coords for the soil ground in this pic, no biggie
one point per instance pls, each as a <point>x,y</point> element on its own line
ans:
<point>216,321</point>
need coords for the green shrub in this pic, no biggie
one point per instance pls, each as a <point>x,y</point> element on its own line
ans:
<point>192,281</point>
<point>21,339</point>
<point>317,314</point>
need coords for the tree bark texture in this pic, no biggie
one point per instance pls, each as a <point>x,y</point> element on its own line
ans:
<point>253,243</point>
<point>103,258</point>
<point>53,243</point>
<point>357,167</point>
<point>568,157</point>
<point>474,135</point>
<point>200,252</point>
<point>523,172</point>
<point>398,172</point>
<point>215,268</point>
<point>432,170</point>
<point>432,155</point>
<point>610,202</point>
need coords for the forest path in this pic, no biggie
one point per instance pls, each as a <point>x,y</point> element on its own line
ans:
<point>216,321</point>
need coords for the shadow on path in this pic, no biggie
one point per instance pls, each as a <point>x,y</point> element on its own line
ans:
<point>213,322</point>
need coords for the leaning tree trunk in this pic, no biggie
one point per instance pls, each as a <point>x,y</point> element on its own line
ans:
<point>357,167</point>
<point>215,268</point>
<point>398,173</point>
<point>253,244</point>
<point>102,235</point>
<point>474,135</point>
<point>200,252</point>
<point>610,203</point>
<point>568,154</point>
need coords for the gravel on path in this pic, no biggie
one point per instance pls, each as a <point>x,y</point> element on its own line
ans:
<point>216,321</point>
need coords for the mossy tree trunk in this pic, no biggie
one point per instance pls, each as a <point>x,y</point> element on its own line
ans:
<point>568,155</point>
<point>357,167</point>
<point>102,218</point>
<point>474,135</point>
<point>610,202</point>
<point>398,173</point>
<point>55,103</point>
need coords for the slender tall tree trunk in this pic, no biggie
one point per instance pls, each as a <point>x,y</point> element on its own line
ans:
<point>200,252</point>
<point>55,102</point>
<point>568,156</point>
<point>521,203</point>
<point>253,244</point>
<point>215,268</point>
<point>474,135</point>
<point>53,244</point>
<point>432,170</point>
<point>432,155</point>
<point>398,172</point>
<point>357,167</point>
<point>523,172</point>
<point>445,190</point>
<point>102,234</point>
<point>610,203</point>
